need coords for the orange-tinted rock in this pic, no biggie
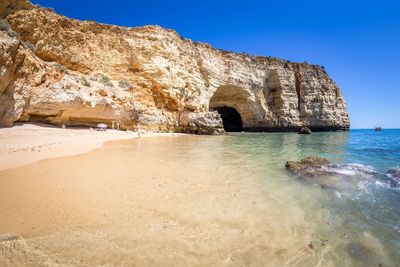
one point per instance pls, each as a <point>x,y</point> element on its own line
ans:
<point>74,76</point>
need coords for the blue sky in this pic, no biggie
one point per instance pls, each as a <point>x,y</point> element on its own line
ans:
<point>358,42</point>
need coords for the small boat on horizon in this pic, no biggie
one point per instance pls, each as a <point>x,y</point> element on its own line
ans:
<point>378,129</point>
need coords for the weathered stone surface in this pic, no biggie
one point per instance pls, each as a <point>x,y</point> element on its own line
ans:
<point>65,71</point>
<point>305,130</point>
<point>308,166</point>
<point>202,123</point>
<point>8,6</point>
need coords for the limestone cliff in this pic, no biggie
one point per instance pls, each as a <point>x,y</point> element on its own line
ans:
<point>64,71</point>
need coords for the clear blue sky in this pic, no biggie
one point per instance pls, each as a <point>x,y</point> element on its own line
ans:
<point>358,42</point>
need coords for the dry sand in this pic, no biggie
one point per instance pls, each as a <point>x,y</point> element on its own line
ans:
<point>28,143</point>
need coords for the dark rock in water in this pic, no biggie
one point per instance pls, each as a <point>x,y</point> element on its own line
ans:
<point>337,177</point>
<point>356,250</point>
<point>364,253</point>
<point>305,130</point>
<point>309,166</point>
<point>393,175</point>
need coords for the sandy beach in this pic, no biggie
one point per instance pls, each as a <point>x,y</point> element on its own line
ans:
<point>176,201</point>
<point>149,201</point>
<point>257,136</point>
<point>28,143</point>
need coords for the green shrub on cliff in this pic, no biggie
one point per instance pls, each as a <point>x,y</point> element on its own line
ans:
<point>12,33</point>
<point>124,84</point>
<point>104,79</point>
<point>84,81</point>
<point>4,25</point>
<point>60,68</point>
<point>30,46</point>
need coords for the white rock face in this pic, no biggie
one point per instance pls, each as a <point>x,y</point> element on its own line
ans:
<point>65,71</point>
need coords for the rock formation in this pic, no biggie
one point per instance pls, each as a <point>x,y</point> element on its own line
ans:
<point>393,176</point>
<point>342,176</point>
<point>305,130</point>
<point>65,71</point>
<point>308,167</point>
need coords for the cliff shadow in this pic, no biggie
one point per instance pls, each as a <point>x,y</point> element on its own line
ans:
<point>231,119</point>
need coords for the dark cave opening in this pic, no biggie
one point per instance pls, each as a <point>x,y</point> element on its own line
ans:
<point>231,119</point>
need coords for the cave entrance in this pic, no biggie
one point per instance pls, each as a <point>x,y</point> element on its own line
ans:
<point>236,106</point>
<point>231,119</point>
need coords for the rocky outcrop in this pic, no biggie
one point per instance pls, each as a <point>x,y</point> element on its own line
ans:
<point>342,176</point>
<point>305,130</point>
<point>7,6</point>
<point>308,167</point>
<point>393,176</point>
<point>64,71</point>
<point>201,122</point>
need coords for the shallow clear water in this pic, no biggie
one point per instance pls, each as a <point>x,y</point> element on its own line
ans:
<point>361,219</point>
<point>209,200</point>
<point>369,208</point>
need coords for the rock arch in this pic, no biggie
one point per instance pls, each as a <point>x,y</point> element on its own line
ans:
<point>236,106</point>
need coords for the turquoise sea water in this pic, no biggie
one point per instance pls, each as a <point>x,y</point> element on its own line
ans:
<point>380,150</point>
<point>353,214</point>
<point>363,214</point>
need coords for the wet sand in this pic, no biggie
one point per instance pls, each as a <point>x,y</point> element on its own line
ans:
<point>146,206</point>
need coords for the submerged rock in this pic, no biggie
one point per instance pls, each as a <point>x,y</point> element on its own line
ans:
<point>367,250</point>
<point>393,175</point>
<point>356,250</point>
<point>334,176</point>
<point>305,130</point>
<point>309,166</point>
<point>313,166</point>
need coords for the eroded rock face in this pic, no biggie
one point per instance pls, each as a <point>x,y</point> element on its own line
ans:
<point>201,122</point>
<point>65,71</point>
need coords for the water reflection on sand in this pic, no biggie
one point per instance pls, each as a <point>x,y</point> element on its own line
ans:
<point>224,200</point>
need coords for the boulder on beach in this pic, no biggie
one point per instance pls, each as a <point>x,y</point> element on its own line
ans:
<point>308,166</point>
<point>305,130</point>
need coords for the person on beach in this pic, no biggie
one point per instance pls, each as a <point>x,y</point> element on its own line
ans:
<point>138,129</point>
